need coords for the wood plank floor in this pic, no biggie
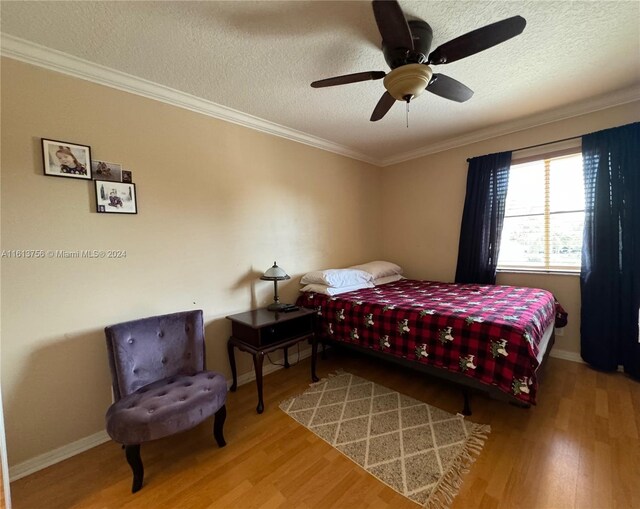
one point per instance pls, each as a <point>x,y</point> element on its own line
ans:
<point>579,448</point>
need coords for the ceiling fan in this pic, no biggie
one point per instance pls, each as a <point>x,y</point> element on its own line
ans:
<point>406,47</point>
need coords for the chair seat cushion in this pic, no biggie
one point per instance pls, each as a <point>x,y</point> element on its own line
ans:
<point>165,407</point>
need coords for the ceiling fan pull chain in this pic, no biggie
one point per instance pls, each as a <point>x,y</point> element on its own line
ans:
<point>407,113</point>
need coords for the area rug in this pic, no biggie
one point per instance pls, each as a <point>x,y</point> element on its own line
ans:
<point>418,450</point>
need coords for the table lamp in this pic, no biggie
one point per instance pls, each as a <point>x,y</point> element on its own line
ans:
<point>275,274</point>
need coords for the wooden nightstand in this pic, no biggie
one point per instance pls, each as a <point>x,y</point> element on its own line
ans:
<point>260,331</point>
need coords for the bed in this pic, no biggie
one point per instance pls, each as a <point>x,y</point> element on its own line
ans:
<point>488,337</point>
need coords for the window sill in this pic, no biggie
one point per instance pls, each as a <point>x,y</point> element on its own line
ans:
<point>566,272</point>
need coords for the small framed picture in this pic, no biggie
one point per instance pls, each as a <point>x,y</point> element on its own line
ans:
<point>115,197</point>
<point>103,170</point>
<point>127,176</point>
<point>64,159</point>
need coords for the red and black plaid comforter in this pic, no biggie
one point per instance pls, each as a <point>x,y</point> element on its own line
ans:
<point>490,333</point>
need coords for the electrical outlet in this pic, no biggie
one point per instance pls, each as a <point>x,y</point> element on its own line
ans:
<point>560,332</point>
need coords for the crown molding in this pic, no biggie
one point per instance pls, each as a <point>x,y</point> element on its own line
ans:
<point>602,102</point>
<point>58,61</point>
<point>54,60</point>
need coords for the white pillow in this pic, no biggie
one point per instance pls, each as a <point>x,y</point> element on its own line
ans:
<point>329,290</point>
<point>388,279</point>
<point>379,268</point>
<point>337,278</point>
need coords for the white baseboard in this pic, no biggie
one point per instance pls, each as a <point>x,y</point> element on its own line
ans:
<point>269,368</point>
<point>66,451</point>
<point>566,355</point>
<point>573,357</point>
<point>57,455</point>
<point>47,459</point>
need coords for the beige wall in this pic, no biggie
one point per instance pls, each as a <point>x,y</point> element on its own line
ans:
<point>424,199</point>
<point>218,203</point>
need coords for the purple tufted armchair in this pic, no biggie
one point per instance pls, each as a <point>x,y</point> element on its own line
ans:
<point>160,383</point>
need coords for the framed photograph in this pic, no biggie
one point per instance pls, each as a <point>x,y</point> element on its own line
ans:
<point>127,176</point>
<point>115,197</point>
<point>103,170</point>
<point>64,159</point>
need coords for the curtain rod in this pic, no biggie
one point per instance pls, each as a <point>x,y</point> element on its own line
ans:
<point>540,144</point>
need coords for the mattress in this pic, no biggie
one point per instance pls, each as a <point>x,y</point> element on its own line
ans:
<point>494,334</point>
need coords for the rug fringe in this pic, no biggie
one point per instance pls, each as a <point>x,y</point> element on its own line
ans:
<point>449,486</point>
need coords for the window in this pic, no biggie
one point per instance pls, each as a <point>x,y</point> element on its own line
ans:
<point>544,214</point>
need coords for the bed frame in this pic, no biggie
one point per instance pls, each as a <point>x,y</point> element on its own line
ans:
<point>466,383</point>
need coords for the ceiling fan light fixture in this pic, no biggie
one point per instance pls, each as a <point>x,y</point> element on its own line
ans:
<point>408,80</point>
<point>406,46</point>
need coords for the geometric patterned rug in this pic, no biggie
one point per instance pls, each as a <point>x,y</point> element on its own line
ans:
<point>418,450</point>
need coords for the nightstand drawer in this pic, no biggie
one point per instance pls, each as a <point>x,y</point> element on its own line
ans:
<point>261,328</point>
<point>246,333</point>
<point>301,326</point>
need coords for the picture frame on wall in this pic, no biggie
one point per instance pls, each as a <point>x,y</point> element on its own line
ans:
<point>127,176</point>
<point>115,197</point>
<point>65,159</point>
<point>102,170</point>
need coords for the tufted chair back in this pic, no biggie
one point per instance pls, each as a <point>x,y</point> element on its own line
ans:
<point>143,351</point>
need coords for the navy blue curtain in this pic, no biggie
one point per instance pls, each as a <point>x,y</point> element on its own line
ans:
<point>610,273</point>
<point>482,218</point>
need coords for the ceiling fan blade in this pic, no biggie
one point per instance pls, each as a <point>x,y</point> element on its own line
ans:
<point>349,78</point>
<point>478,40</point>
<point>384,105</point>
<point>392,24</point>
<point>449,88</point>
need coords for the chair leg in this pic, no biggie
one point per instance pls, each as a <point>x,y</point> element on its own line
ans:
<point>132,453</point>
<point>218,424</point>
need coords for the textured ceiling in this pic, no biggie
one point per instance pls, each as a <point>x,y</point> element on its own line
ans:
<point>260,57</point>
